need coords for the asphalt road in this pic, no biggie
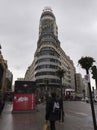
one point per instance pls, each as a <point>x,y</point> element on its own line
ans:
<point>78,116</point>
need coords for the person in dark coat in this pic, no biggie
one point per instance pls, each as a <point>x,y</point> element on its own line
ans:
<point>2,103</point>
<point>1,106</point>
<point>50,115</point>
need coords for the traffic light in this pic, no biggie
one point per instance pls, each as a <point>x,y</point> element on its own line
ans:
<point>94,72</point>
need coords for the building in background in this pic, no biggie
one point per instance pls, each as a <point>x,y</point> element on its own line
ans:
<point>29,75</point>
<point>3,68</point>
<point>9,79</point>
<point>6,78</point>
<point>85,88</point>
<point>20,79</point>
<point>49,56</point>
<point>79,83</point>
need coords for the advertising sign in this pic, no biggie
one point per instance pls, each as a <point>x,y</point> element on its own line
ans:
<point>24,102</point>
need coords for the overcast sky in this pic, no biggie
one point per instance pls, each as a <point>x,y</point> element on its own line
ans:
<point>19,30</point>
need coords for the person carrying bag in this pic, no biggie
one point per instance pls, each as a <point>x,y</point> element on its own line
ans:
<point>53,111</point>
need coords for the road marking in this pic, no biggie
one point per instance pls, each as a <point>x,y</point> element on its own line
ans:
<point>78,113</point>
<point>81,113</point>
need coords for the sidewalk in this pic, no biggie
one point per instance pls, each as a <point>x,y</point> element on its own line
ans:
<point>34,120</point>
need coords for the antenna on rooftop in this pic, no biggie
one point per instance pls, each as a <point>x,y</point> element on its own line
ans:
<point>47,8</point>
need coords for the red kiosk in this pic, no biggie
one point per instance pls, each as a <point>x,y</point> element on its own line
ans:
<point>24,96</point>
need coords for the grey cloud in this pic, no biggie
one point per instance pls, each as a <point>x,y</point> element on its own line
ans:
<point>19,28</point>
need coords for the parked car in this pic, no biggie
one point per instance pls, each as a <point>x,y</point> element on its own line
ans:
<point>86,99</point>
<point>95,98</point>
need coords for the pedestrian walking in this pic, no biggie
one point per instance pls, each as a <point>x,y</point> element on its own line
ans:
<point>1,106</point>
<point>53,111</point>
<point>2,103</point>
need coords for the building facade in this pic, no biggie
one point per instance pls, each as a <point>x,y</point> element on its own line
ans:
<point>9,79</point>
<point>79,83</point>
<point>85,88</point>
<point>3,68</point>
<point>49,56</point>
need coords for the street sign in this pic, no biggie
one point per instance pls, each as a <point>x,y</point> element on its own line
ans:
<point>87,77</point>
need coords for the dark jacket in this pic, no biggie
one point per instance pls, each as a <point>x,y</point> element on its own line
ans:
<point>50,115</point>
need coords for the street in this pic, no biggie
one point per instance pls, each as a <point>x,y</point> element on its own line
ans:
<point>78,116</point>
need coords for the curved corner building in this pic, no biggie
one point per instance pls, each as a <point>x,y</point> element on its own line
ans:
<point>49,56</point>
